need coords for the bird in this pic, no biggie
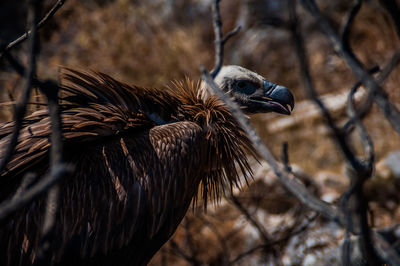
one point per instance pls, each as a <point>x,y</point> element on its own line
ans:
<point>141,156</point>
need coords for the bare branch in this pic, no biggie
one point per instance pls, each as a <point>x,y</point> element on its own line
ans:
<point>219,49</point>
<point>20,107</point>
<point>394,11</point>
<point>361,171</point>
<point>37,26</point>
<point>311,92</point>
<point>178,251</point>
<point>219,41</point>
<point>246,253</point>
<point>363,110</point>
<point>28,179</point>
<point>299,230</point>
<point>261,230</point>
<point>250,218</point>
<point>222,240</point>
<point>51,91</point>
<point>387,70</point>
<point>347,26</point>
<point>230,34</point>
<point>285,157</point>
<point>7,207</point>
<point>381,99</point>
<point>366,107</point>
<point>57,168</point>
<point>368,146</point>
<point>346,247</point>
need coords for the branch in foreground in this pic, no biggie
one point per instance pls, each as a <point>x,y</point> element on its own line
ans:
<point>7,207</point>
<point>360,171</point>
<point>261,230</point>
<point>299,230</point>
<point>381,99</point>
<point>363,110</point>
<point>219,41</point>
<point>51,91</point>
<point>39,25</point>
<point>352,113</point>
<point>394,11</point>
<point>347,27</point>
<point>291,183</point>
<point>29,74</point>
<point>309,88</point>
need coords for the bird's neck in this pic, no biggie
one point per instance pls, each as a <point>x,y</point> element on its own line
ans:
<point>204,91</point>
<point>228,145</point>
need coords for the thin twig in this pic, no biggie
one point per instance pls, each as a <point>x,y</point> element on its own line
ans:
<point>39,25</point>
<point>361,172</point>
<point>177,251</point>
<point>222,240</point>
<point>190,243</point>
<point>394,11</point>
<point>261,230</point>
<point>250,251</point>
<point>347,26</point>
<point>246,253</point>
<point>27,180</point>
<point>391,65</point>
<point>230,35</point>
<point>8,207</point>
<point>219,41</point>
<point>20,107</point>
<point>285,157</point>
<point>311,92</point>
<point>361,111</point>
<point>381,98</point>
<point>219,50</point>
<point>364,109</point>
<point>57,168</point>
<point>51,91</point>
<point>250,218</point>
<point>346,247</point>
<point>367,142</point>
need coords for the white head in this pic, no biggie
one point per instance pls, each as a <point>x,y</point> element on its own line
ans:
<point>253,92</point>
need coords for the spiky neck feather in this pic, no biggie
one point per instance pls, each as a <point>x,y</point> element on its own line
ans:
<point>229,146</point>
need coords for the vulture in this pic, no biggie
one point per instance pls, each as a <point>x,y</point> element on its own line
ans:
<point>140,157</point>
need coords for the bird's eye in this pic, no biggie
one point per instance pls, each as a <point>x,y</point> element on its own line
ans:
<point>245,87</point>
<point>241,84</point>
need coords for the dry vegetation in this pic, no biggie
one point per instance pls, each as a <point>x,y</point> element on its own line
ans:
<point>150,43</point>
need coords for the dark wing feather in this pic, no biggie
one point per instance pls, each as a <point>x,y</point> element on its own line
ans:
<point>124,200</point>
<point>94,106</point>
<point>133,179</point>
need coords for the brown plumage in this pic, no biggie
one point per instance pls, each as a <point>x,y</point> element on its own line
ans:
<point>140,156</point>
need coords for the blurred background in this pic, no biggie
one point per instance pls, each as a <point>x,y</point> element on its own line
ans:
<point>151,43</point>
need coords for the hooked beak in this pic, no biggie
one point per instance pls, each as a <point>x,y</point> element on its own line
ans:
<point>276,98</point>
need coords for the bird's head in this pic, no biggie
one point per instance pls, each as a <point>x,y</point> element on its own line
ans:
<point>253,92</point>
